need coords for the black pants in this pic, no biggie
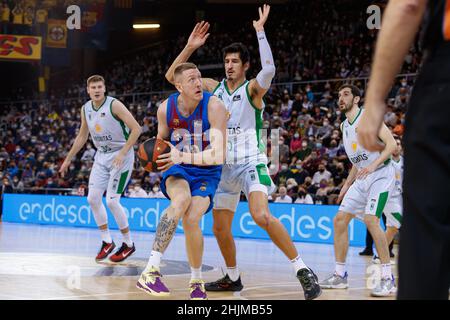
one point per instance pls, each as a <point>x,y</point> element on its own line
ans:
<point>424,253</point>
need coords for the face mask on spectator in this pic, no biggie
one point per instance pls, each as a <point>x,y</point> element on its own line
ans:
<point>298,166</point>
<point>323,185</point>
<point>338,112</point>
<point>296,136</point>
<point>284,167</point>
<point>155,189</point>
<point>72,167</point>
<point>318,145</point>
<point>336,124</point>
<point>326,123</point>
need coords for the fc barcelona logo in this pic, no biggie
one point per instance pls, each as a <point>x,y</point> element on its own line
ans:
<point>176,122</point>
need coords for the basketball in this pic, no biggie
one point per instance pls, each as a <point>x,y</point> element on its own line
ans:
<point>148,153</point>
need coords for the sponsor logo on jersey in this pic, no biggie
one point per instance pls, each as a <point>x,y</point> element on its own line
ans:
<point>203,187</point>
<point>237,97</point>
<point>235,130</point>
<point>359,158</point>
<point>102,138</point>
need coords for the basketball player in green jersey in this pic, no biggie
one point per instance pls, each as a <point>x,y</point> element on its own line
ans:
<point>114,131</point>
<point>246,164</point>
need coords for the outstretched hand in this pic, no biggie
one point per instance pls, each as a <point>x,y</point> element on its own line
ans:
<point>199,35</point>
<point>263,15</point>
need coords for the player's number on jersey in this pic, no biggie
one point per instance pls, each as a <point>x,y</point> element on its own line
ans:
<point>105,149</point>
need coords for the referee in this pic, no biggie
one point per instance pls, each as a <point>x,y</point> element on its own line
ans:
<point>424,258</point>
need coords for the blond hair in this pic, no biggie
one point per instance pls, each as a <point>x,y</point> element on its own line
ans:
<point>95,78</point>
<point>183,67</point>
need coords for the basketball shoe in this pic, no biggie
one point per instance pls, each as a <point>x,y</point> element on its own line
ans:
<point>105,250</point>
<point>123,253</point>
<point>197,290</point>
<point>224,284</point>
<point>151,283</point>
<point>310,283</point>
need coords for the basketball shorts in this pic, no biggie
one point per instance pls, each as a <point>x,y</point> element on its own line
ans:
<point>249,177</point>
<point>106,177</point>
<point>370,195</point>
<point>203,181</point>
<point>394,211</point>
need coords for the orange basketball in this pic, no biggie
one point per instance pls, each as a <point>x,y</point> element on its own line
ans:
<point>148,153</point>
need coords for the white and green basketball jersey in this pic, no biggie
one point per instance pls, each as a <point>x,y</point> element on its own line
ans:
<point>244,126</point>
<point>359,156</point>
<point>108,133</point>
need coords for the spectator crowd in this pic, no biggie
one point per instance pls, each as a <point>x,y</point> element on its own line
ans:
<point>330,42</point>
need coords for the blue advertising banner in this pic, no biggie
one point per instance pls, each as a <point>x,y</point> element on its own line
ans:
<point>304,223</point>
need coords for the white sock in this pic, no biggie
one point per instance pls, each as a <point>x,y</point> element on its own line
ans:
<point>386,271</point>
<point>154,261</point>
<point>106,236</point>
<point>233,273</point>
<point>298,264</point>
<point>341,269</point>
<point>127,239</point>
<point>196,273</point>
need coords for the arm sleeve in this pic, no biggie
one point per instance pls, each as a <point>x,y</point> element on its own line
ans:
<point>267,72</point>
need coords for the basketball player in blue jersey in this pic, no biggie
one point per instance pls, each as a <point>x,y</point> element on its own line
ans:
<point>246,163</point>
<point>114,131</point>
<point>195,123</point>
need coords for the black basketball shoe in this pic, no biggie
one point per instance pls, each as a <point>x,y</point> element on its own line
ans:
<point>224,284</point>
<point>310,283</point>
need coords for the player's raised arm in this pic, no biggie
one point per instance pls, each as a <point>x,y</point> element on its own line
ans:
<point>196,40</point>
<point>259,86</point>
<point>79,142</point>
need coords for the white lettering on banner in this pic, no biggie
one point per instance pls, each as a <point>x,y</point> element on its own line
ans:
<point>291,219</point>
<point>304,223</point>
<point>50,212</point>
<point>24,209</point>
<point>325,228</point>
<point>50,206</point>
<point>251,222</point>
<point>63,213</point>
<point>72,214</point>
<point>310,226</point>
<point>145,219</point>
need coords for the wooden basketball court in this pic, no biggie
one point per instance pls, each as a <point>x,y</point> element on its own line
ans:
<point>48,262</point>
